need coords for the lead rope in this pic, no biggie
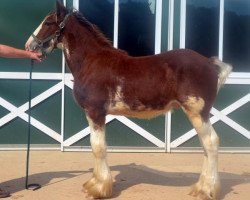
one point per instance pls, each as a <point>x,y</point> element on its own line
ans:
<point>33,186</point>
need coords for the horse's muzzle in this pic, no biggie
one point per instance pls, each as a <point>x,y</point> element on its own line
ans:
<point>38,47</point>
<point>34,46</point>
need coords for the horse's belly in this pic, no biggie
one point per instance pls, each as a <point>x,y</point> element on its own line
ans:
<point>120,108</point>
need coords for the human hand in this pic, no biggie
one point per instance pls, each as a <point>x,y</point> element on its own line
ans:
<point>36,56</point>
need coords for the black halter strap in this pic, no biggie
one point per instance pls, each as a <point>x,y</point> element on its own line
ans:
<point>53,36</point>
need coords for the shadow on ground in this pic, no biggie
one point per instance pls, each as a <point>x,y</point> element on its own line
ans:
<point>133,174</point>
<point>128,176</point>
<point>44,179</point>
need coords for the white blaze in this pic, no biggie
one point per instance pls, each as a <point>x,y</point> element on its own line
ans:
<point>27,44</point>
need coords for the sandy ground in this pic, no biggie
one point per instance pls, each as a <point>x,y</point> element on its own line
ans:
<point>137,176</point>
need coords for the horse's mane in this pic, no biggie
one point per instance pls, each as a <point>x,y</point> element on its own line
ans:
<point>91,28</point>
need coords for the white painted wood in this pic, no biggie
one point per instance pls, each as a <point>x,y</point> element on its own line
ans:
<point>168,132</point>
<point>183,25</point>
<point>141,131</point>
<point>83,133</point>
<point>158,25</point>
<point>170,24</point>
<point>221,29</point>
<point>76,4</point>
<point>15,111</point>
<point>116,23</point>
<point>234,106</point>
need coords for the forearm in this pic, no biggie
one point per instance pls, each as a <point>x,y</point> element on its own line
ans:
<point>10,52</point>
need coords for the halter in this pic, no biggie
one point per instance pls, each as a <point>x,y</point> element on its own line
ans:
<point>54,36</point>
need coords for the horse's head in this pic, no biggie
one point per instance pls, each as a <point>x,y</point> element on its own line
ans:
<point>48,35</point>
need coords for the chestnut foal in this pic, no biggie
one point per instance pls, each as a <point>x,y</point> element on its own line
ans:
<point>109,81</point>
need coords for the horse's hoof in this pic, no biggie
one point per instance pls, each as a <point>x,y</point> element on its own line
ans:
<point>204,191</point>
<point>98,189</point>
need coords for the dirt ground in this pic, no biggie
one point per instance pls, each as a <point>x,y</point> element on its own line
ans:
<point>137,176</point>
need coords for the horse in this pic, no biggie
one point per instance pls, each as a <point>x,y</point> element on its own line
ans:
<point>110,81</point>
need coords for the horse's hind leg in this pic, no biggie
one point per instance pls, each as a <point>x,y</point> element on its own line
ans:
<point>208,185</point>
<point>100,185</point>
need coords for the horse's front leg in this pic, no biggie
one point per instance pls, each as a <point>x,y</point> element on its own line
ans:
<point>100,185</point>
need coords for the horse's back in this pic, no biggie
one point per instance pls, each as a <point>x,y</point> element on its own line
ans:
<point>180,72</point>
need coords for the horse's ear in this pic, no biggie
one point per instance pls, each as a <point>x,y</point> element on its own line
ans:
<point>61,11</point>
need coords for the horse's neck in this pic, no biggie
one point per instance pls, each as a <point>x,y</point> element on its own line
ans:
<point>79,45</point>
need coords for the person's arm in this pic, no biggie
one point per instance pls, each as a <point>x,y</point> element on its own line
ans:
<point>11,52</point>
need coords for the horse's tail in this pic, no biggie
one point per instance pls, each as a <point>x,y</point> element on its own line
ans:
<point>224,70</point>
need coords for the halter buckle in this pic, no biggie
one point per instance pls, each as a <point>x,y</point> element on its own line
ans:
<point>62,25</point>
